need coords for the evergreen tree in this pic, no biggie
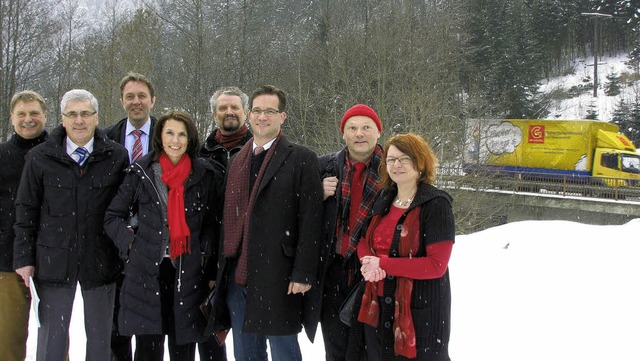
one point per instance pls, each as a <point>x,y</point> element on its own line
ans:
<point>612,86</point>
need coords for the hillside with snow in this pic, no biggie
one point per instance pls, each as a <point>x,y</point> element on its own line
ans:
<point>573,93</point>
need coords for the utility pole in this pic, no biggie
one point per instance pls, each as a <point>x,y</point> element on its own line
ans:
<point>597,17</point>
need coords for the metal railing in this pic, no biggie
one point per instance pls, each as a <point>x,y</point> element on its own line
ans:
<point>562,185</point>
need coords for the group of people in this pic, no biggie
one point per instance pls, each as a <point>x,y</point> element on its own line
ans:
<point>148,221</point>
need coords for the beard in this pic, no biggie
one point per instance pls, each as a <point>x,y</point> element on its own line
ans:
<point>231,126</point>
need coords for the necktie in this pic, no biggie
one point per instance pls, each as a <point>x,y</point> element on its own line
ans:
<point>258,150</point>
<point>136,153</point>
<point>82,154</point>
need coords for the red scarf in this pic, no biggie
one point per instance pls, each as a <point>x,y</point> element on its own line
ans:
<point>403,328</point>
<point>233,139</point>
<point>174,177</point>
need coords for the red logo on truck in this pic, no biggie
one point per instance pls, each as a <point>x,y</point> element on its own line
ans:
<point>536,134</point>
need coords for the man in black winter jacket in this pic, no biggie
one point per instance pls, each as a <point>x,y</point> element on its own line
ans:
<point>229,107</point>
<point>67,184</point>
<point>28,117</point>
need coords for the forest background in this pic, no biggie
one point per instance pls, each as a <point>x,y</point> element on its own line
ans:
<point>425,65</point>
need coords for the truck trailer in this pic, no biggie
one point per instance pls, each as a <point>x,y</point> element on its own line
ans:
<point>578,151</point>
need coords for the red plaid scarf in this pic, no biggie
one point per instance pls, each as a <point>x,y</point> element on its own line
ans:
<point>403,329</point>
<point>239,202</point>
<point>371,189</point>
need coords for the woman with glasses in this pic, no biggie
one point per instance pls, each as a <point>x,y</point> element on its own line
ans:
<point>177,200</point>
<point>405,307</point>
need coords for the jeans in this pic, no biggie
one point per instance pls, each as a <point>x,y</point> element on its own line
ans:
<point>253,346</point>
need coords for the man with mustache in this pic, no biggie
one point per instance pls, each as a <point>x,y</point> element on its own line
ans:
<point>28,117</point>
<point>134,133</point>
<point>229,108</point>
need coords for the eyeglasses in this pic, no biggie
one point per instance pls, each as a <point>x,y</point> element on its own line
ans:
<point>403,160</point>
<point>84,114</point>
<point>268,112</point>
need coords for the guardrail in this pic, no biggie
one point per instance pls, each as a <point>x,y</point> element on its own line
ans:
<point>562,185</point>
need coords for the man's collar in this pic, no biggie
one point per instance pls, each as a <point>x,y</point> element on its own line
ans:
<point>146,127</point>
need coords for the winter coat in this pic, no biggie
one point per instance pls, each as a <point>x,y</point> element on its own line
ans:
<point>213,150</point>
<point>12,153</point>
<point>116,132</point>
<point>430,299</point>
<point>332,165</point>
<point>60,211</point>
<point>284,244</point>
<point>140,305</point>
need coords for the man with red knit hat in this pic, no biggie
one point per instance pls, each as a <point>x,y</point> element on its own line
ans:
<point>350,182</point>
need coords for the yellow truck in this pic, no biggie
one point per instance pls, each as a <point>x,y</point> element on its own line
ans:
<point>581,151</point>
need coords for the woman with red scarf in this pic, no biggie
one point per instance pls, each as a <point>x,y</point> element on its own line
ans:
<point>176,198</point>
<point>406,302</point>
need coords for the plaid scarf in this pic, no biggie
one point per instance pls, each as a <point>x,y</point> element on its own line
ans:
<point>239,202</point>
<point>371,190</point>
<point>403,328</point>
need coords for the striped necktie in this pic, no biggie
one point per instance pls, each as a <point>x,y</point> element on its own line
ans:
<point>136,153</point>
<point>82,155</point>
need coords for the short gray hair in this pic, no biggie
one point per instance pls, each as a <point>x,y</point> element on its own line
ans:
<point>230,90</point>
<point>78,95</point>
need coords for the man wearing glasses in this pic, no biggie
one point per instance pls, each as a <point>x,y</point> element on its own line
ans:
<point>67,184</point>
<point>271,243</point>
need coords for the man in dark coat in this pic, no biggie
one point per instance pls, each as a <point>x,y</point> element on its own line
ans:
<point>28,117</point>
<point>350,183</point>
<point>66,186</point>
<point>271,237</point>
<point>134,133</point>
<point>229,108</point>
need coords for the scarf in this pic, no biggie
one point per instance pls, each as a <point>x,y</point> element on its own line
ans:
<point>231,140</point>
<point>403,328</point>
<point>239,202</point>
<point>371,189</point>
<point>174,177</point>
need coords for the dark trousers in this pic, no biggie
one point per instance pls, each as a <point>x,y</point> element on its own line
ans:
<point>167,279</point>
<point>334,333</point>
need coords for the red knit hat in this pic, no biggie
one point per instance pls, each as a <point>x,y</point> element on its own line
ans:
<point>361,109</point>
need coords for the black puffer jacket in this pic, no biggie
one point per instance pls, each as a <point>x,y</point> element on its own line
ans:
<point>12,153</point>
<point>60,211</point>
<point>213,150</point>
<point>140,311</point>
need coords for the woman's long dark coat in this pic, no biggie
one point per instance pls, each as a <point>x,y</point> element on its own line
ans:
<point>140,311</point>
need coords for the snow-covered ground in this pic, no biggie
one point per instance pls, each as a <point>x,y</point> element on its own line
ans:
<point>534,290</point>
<point>603,105</point>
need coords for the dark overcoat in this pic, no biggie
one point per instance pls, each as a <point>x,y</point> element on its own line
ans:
<point>60,210</point>
<point>12,153</point>
<point>284,244</point>
<point>140,305</point>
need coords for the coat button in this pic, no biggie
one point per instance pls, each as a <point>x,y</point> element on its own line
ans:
<point>388,300</point>
<point>387,324</point>
<point>389,277</point>
<point>399,227</point>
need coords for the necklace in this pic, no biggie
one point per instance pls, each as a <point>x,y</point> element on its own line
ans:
<point>402,203</point>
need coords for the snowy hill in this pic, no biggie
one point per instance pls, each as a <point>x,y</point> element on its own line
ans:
<point>574,92</point>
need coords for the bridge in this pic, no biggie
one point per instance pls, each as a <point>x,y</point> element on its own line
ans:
<point>512,199</point>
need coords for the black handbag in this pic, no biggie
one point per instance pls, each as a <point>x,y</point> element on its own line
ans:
<point>346,308</point>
